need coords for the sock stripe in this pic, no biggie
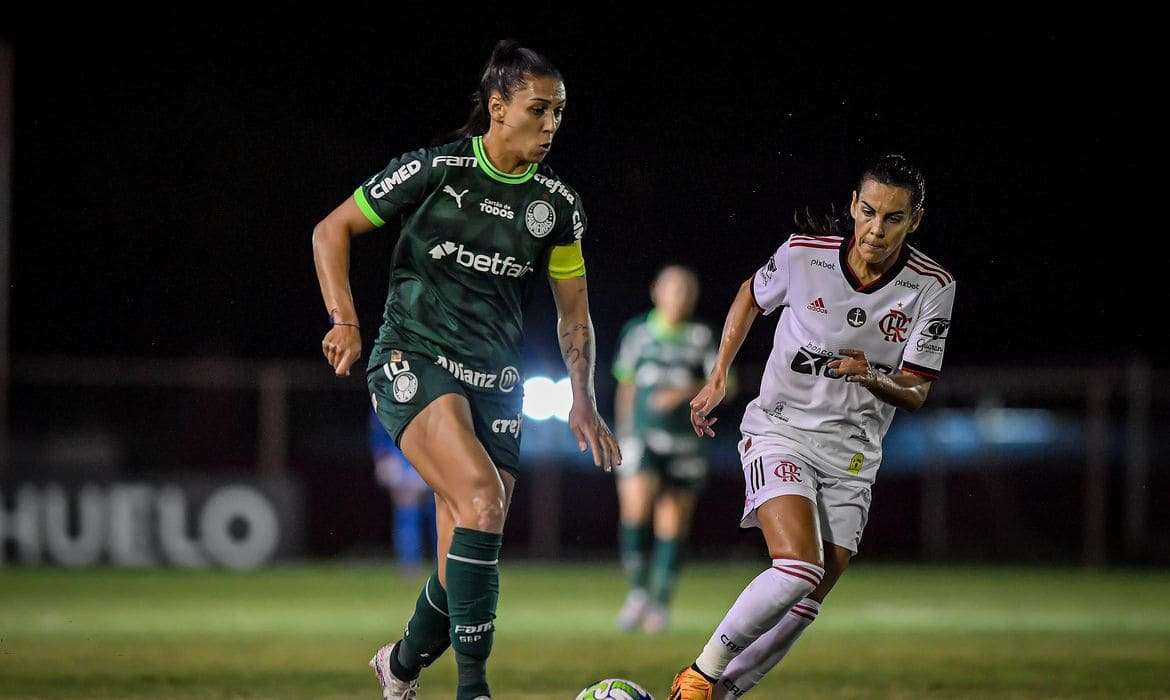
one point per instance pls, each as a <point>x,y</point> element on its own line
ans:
<point>427,591</point>
<point>797,564</point>
<point>799,573</point>
<point>469,560</point>
<point>796,612</point>
<point>805,609</point>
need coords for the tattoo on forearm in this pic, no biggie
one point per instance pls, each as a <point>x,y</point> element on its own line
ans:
<point>576,346</point>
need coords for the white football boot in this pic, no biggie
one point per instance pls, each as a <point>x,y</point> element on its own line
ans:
<point>392,687</point>
<point>630,616</point>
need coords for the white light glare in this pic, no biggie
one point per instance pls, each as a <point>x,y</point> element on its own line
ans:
<point>544,398</point>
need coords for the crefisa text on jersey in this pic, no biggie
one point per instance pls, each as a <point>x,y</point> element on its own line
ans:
<point>555,187</point>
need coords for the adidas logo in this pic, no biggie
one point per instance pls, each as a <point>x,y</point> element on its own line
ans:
<point>818,306</point>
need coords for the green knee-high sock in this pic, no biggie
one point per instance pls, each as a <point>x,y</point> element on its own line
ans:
<point>667,562</point>
<point>634,541</point>
<point>427,633</point>
<point>473,588</point>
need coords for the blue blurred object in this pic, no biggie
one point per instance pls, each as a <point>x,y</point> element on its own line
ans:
<point>929,440</point>
<point>413,501</point>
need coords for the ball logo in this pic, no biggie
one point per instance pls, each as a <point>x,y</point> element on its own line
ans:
<point>405,386</point>
<point>893,326</point>
<point>856,463</point>
<point>509,378</point>
<point>540,218</point>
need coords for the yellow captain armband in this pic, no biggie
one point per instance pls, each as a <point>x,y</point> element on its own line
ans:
<point>566,262</point>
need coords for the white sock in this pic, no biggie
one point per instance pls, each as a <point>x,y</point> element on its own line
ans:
<point>761,605</point>
<point>746,670</point>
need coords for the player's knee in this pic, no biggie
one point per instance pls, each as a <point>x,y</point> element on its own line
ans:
<point>483,508</point>
<point>807,554</point>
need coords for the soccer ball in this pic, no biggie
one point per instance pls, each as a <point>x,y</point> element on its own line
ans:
<point>614,689</point>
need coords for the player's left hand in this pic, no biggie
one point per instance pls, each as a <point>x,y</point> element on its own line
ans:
<point>591,431</point>
<point>854,367</point>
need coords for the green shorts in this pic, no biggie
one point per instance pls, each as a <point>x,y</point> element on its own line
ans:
<point>404,386</point>
<point>686,470</point>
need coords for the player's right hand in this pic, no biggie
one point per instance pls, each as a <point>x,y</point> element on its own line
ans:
<point>710,396</point>
<point>342,346</point>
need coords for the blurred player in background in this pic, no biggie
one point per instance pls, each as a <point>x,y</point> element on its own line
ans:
<point>663,360</point>
<point>483,220</point>
<point>863,333</point>
<point>412,499</point>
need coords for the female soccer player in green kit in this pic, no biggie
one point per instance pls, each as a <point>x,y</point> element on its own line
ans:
<point>481,216</point>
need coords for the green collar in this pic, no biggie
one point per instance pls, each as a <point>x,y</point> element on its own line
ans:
<point>485,164</point>
<point>661,330</point>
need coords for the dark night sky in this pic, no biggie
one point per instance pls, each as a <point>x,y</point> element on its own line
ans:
<point>166,182</point>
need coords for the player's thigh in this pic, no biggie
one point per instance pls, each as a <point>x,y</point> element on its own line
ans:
<point>780,497</point>
<point>636,494</point>
<point>789,524</point>
<point>442,445</point>
<point>673,511</point>
<point>425,410</point>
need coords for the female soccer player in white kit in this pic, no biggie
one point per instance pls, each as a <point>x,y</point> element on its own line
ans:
<point>863,332</point>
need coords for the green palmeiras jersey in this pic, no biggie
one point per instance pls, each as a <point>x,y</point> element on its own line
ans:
<point>655,356</point>
<point>473,241</point>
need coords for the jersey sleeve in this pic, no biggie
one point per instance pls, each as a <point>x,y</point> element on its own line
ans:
<point>625,363</point>
<point>566,260</point>
<point>770,283</point>
<point>573,228</point>
<point>395,190</point>
<point>928,341</point>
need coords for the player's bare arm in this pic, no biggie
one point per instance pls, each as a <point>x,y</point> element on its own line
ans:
<point>342,345</point>
<point>905,390</point>
<point>623,408</point>
<point>575,332</point>
<point>740,318</point>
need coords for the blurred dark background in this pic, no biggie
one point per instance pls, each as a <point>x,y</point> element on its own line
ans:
<point>165,182</point>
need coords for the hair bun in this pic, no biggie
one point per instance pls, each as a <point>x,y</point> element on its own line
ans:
<point>504,47</point>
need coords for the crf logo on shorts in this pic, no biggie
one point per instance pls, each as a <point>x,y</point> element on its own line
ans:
<point>788,472</point>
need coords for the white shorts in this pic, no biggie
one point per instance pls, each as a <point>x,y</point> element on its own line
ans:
<point>770,470</point>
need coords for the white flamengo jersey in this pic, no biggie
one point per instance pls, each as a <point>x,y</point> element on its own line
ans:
<point>899,320</point>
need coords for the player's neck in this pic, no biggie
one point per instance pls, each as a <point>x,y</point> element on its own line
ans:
<point>501,157</point>
<point>866,272</point>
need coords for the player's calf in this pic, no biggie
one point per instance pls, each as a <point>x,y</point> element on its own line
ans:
<point>473,589</point>
<point>746,670</point>
<point>758,609</point>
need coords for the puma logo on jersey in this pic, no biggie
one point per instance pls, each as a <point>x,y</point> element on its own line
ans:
<point>458,197</point>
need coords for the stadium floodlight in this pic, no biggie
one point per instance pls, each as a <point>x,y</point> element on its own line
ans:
<point>544,398</point>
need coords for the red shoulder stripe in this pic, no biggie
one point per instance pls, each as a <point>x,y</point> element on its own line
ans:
<point>812,245</point>
<point>926,273</point>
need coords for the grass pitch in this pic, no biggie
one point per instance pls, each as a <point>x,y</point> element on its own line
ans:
<point>307,632</point>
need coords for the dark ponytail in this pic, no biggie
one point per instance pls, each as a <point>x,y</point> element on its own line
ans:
<point>811,223</point>
<point>507,70</point>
